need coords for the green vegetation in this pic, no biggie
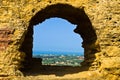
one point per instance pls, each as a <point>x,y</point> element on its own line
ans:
<point>61,60</point>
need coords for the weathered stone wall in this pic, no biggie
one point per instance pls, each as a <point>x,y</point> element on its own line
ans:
<point>98,23</point>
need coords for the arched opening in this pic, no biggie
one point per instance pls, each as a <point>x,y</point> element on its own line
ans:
<point>73,15</point>
<point>56,44</point>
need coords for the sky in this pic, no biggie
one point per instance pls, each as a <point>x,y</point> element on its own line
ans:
<point>56,34</point>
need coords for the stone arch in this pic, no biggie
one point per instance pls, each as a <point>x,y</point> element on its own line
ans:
<point>73,15</point>
<point>14,21</point>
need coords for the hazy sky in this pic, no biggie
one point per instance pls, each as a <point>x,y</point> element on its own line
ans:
<point>56,34</point>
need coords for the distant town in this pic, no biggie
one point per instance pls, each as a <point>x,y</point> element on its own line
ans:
<point>61,60</point>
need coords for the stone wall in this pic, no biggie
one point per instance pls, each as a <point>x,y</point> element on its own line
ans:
<point>97,23</point>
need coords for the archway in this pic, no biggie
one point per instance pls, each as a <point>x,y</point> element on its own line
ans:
<point>73,15</point>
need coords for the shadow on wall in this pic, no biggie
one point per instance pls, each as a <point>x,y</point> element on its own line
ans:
<point>39,69</point>
<point>75,16</point>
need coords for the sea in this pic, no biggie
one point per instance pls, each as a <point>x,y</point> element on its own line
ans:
<point>56,53</point>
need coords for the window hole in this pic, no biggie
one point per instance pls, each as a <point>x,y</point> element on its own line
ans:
<point>56,44</point>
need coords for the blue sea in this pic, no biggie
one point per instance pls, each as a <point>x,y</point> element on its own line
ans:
<point>55,53</point>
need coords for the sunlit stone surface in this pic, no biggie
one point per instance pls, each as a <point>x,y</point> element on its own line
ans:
<point>97,23</point>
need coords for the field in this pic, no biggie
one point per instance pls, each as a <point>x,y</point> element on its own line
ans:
<point>61,60</point>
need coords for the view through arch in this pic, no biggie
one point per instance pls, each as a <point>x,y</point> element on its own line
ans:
<point>56,43</point>
<point>75,16</point>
